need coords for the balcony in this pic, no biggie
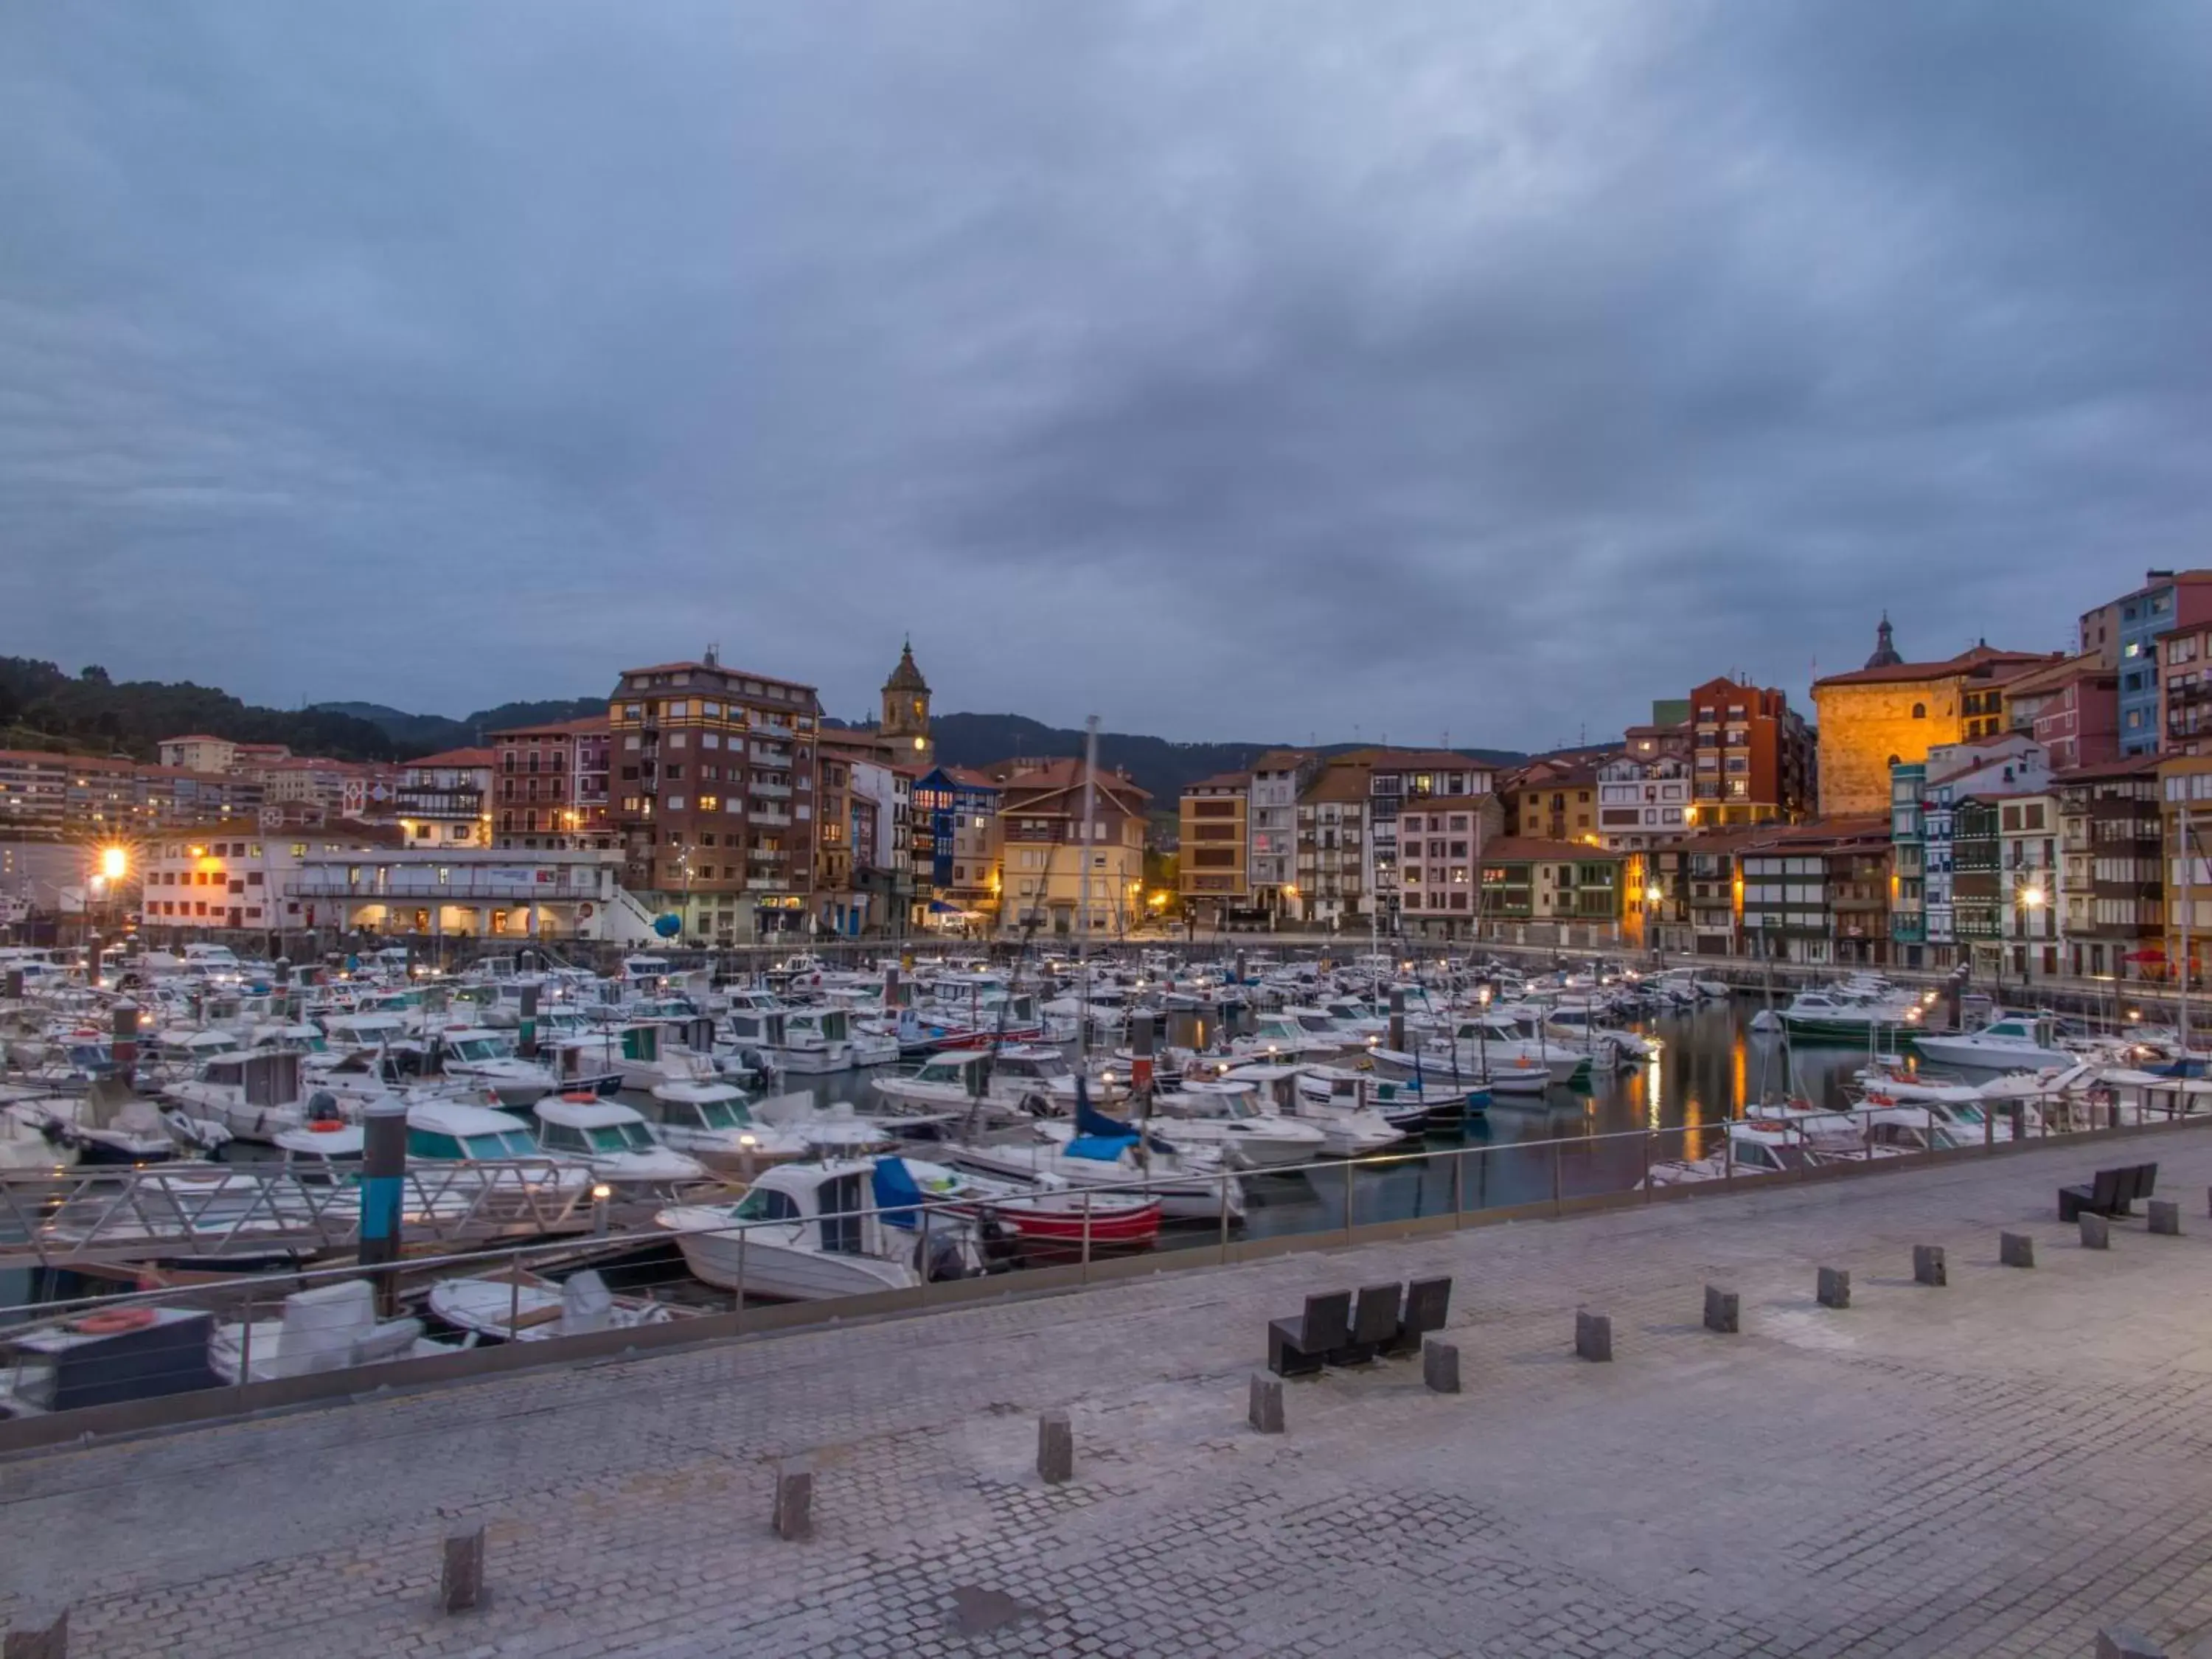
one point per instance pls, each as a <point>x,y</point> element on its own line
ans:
<point>771,791</point>
<point>772,816</point>
<point>771,753</point>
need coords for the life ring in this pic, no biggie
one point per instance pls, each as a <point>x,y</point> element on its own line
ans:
<point>323,1126</point>
<point>113,1320</point>
<point>582,1098</point>
<point>584,911</point>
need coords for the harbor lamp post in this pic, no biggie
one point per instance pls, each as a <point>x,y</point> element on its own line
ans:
<point>2029,900</point>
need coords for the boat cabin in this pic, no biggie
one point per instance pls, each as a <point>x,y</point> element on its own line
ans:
<point>447,1131</point>
<point>591,1127</point>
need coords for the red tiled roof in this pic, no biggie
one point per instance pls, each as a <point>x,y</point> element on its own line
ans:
<point>588,723</point>
<point>1219,780</point>
<point>1982,657</point>
<point>2131,766</point>
<point>458,757</point>
<point>1512,849</point>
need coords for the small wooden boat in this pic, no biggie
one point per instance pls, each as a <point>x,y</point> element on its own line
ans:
<point>513,1304</point>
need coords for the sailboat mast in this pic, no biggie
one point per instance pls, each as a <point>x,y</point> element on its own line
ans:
<point>2188,915</point>
<point>1083,881</point>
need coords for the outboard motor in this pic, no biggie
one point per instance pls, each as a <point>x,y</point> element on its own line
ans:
<point>999,1243</point>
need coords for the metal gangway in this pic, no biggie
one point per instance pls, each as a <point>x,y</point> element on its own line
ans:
<point>73,1216</point>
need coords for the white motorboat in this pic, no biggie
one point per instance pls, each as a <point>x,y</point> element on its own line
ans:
<point>327,1328</point>
<point>2015,1042</point>
<point>1034,1081</point>
<point>513,1304</point>
<point>32,1145</point>
<point>613,1139</point>
<point>255,1097</point>
<point>1347,1129</point>
<point>836,1130</point>
<point>484,1059</point>
<point>817,1040</point>
<point>714,1123</point>
<point>807,1231</point>
<point>1772,1145</point>
<point>1226,1116</point>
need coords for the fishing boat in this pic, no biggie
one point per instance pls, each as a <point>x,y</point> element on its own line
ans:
<point>804,1232</point>
<point>612,1139</point>
<point>513,1304</point>
<point>2013,1042</point>
<point>1227,1117</point>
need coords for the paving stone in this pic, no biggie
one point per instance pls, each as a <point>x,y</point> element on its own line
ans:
<point>1997,1475</point>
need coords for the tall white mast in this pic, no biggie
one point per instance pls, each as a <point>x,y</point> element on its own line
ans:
<point>1083,885</point>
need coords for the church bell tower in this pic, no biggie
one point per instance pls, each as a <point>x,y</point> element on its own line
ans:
<point>905,727</point>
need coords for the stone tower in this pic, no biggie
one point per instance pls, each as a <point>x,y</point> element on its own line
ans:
<point>905,727</point>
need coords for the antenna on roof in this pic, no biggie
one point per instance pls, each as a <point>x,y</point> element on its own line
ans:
<point>715,655</point>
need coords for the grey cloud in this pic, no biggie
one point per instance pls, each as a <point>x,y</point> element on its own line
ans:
<point>1251,369</point>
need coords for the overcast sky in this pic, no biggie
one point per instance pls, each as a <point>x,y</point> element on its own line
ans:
<point>1233,368</point>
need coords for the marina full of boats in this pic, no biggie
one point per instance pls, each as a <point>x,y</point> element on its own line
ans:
<point>608,1150</point>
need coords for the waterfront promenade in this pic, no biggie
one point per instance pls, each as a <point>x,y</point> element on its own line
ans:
<point>1994,1468</point>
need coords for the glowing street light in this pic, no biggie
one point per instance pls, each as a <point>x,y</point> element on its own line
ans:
<point>2032,897</point>
<point>114,863</point>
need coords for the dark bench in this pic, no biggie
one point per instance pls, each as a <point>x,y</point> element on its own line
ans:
<point>2113,1191</point>
<point>1374,1322</point>
<point>1428,1302</point>
<point>1300,1347</point>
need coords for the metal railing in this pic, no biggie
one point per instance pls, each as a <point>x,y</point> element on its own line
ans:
<point>95,1215</point>
<point>1392,1195</point>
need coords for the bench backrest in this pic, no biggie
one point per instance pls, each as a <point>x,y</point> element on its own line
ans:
<point>1428,1302</point>
<point>2146,1180</point>
<point>2111,1188</point>
<point>1377,1318</point>
<point>1328,1322</point>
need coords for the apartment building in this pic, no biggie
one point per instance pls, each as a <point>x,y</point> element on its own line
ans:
<point>1049,866</point>
<point>446,800</point>
<point>1950,775</point>
<point>1642,802</point>
<point>1278,777</point>
<point>48,796</point>
<point>1441,849</point>
<point>1333,848</point>
<point>1554,798</point>
<point>1212,875</point>
<point>2111,891</point>
<point>713,785</point>
<point>1528,879</point>
<point>550,786</point>
<point>1817,892</point>
<point>956,843</point>
<point>2124,633</point>
<point>1751,756</point>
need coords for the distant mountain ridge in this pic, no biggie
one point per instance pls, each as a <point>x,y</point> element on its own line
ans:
<point>42,706</point>
<point>430,734</point>
<point>1164,767</point>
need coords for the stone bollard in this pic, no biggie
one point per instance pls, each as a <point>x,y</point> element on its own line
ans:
<point>460,1576</point>
<point>2165,1217</point>
<point>2016,1250</point>
<point>794,1498</point>
<point>1264,1412</point>
<point>2096,1232</point>
<point>2126,1641</point>
<point>1834,1288</point>
<point>37,1632</point>
<point>1440,1366</point>
<point>1928,1266</point>
<point>1724,1310</point>
<point>1055,1449</point>
<point>1593,1337</point>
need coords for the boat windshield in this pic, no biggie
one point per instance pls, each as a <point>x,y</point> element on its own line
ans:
<point>764,1204</point>
<point>725,1115</point>
<point>511,1143</point>
<point>478,1048</point>
<point>622,1137</point>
